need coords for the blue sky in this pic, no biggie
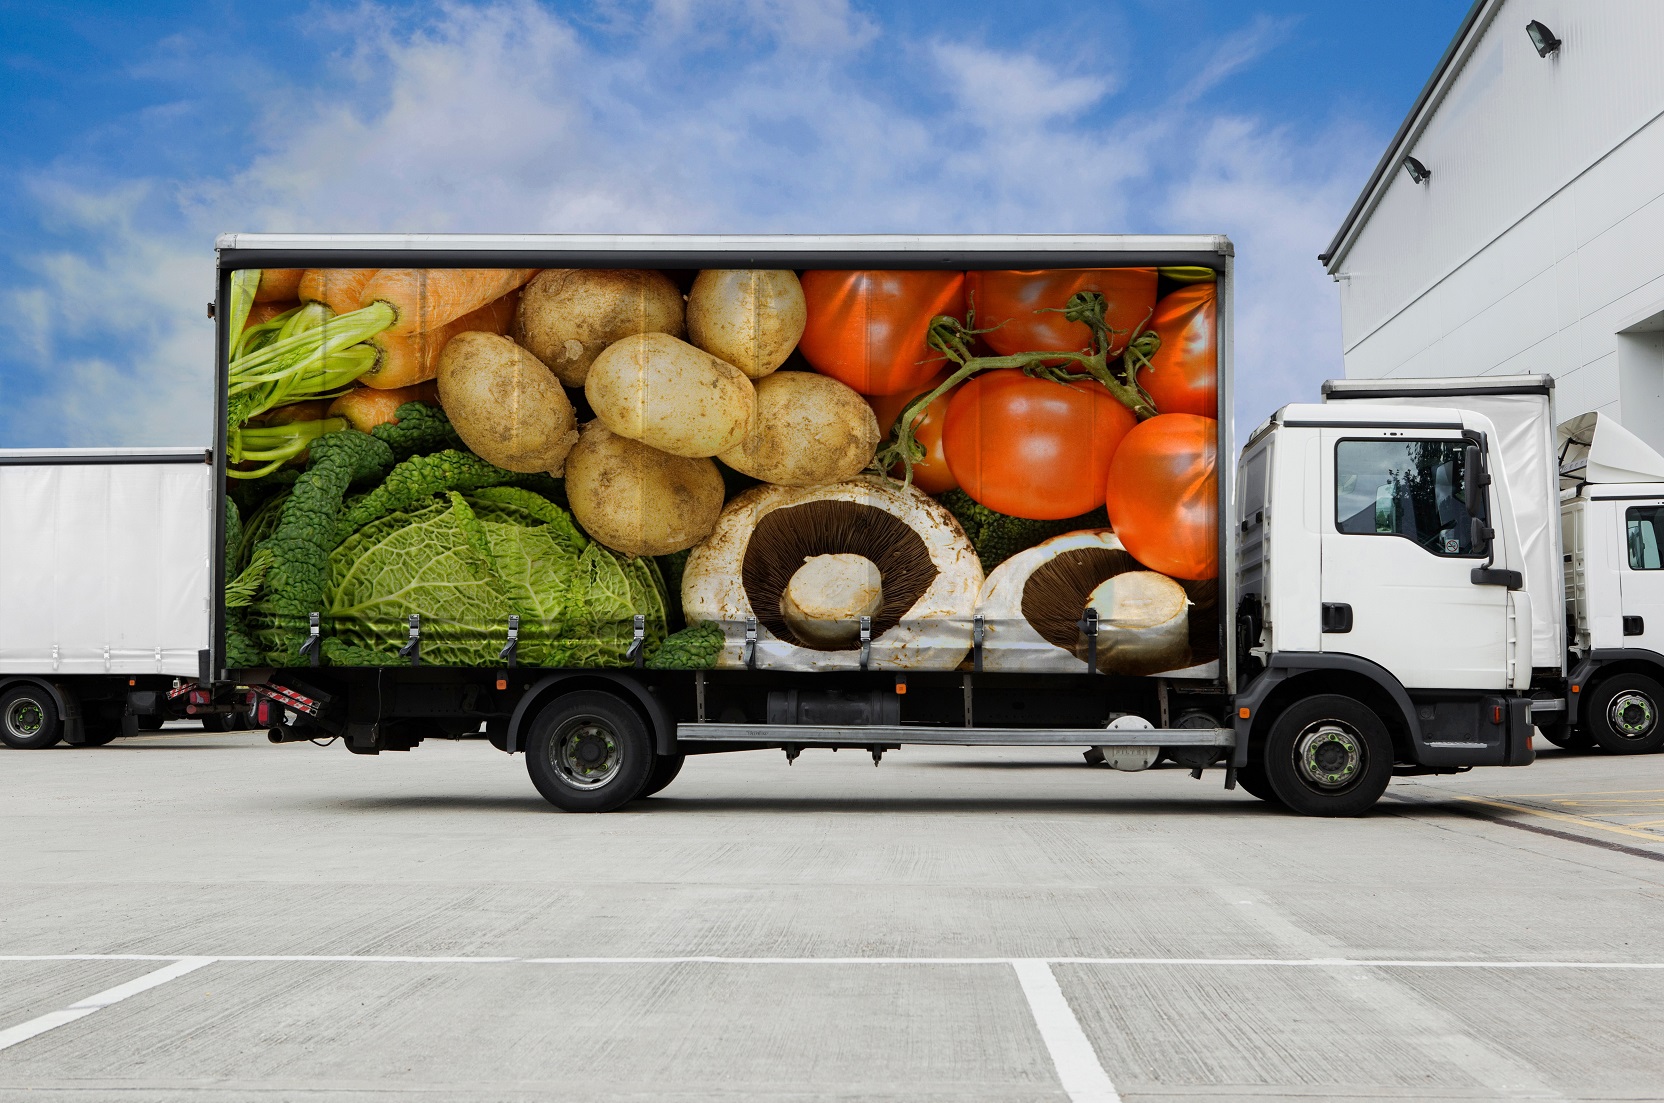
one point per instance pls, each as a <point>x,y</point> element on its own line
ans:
<point>132,137</point>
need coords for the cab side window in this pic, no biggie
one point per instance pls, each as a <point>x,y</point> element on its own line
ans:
<point>1642,523</point>
<point>1412,489</point>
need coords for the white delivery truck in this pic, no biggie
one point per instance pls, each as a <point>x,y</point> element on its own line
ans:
<point>105,590</point>
<point>614,501</point>
<point>1587,493</point>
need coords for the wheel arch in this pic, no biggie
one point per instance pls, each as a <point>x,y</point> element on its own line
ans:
<point>69,708</point>
<point>627,689</point>
<point>1291,677</point>
<point>1598,666</point>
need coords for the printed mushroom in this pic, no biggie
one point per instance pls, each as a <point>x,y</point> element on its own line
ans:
<point>1034,603</point>
<point>809,562</point>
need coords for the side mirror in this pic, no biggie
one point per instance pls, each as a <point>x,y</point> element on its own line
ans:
<point>1479,536</point>
<point>1476,480</point>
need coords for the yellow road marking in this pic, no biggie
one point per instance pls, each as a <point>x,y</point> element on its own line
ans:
<point>1597,793</point>
<point>1653,801</point>
<point>1650,836</point>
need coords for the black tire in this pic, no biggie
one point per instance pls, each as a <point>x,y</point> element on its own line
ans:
<point>29,719</point>
<point>102,733</point>
<point>1624,714</point>
<point>152,723</point>
<point>1251,780</point>
<point>1328,756</point>
<point>1567,738</point>
<point>216,722</point>
<point>589,752</point>
<point>665,769</point>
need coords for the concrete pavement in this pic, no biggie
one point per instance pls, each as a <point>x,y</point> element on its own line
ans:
<point>1202,945</point>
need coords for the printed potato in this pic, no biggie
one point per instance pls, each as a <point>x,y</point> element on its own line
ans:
<point>506,405</point>
<point>638,500</point>
<point>567,316</point>
<point>750,317</point>
<point>809,430</point>
<point>666,393</point>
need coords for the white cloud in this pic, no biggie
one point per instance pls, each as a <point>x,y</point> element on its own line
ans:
<point>1005,89</point>
<point>508,118</point>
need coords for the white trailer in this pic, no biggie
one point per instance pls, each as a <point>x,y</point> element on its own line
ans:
<point>1370,614</point>
<point>105,589</point>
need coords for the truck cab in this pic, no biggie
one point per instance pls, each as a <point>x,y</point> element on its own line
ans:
<point>1612,530</point>
<point>1380,562</point>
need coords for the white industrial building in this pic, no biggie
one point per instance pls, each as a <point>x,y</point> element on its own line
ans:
<point>1516,223</point>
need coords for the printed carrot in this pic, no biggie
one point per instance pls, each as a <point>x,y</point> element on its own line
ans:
<point>336,288</point>
<point>414,358</point>
<point>261,313</point>
<point>295,411</point>
<point>428,298</point>
<point>278,284</point>
<point>366,407</point>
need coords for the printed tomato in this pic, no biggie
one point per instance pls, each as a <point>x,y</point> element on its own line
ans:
<point>1163,495</point>
<point>1021,305</point>
<point>867,329</point>
<point>1033,448</point>
<point>930,474</point>
<point>1183,376</point>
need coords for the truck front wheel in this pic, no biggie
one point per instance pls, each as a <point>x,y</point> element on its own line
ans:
<point>1328,756</point>
<point>589,752</point>
<point>29,719</point>
<point>1623,715</point>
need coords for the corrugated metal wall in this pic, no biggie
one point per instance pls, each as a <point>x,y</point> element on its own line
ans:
<point>1541,232</point>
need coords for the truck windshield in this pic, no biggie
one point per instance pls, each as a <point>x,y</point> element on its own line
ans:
<point>1408,488</point>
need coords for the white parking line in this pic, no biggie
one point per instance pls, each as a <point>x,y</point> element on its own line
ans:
<point>714,959</point>
<point>22,1032</point>
<point>1079,1071</point>
<point>1071,1051</point>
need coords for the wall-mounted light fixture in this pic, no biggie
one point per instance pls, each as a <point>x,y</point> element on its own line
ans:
<point>1418,171</point>
<point>1542,38</point>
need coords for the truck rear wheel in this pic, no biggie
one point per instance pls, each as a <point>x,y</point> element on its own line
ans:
<point>1328,756</point>
<point>29,719</point>
<point>665,769</point>
<point>1568,738</point>
<point>1251,780</point>
<point>1624,715</point>
<point>589,752</point>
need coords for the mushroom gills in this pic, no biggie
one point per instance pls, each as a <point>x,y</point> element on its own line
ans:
<point>1143,622</point>
<point>1034,606</point>
<point>785,538</point>
<point>827,597</point>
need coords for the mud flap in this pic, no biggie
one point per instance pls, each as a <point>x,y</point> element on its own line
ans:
<point>1520,751</point>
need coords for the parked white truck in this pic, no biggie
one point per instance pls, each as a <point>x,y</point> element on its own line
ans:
<point>615,501</point>
<point>1588,495</point>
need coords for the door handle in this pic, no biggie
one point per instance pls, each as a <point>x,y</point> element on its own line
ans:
<point>1496,576</point>
<point>1337,617</point>
<point>1635,626</point>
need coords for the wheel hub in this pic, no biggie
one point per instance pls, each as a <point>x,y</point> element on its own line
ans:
<point>25,718</point>
<point>585,754</point>
<point>1632,714</point>
<point>1329,754</point>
